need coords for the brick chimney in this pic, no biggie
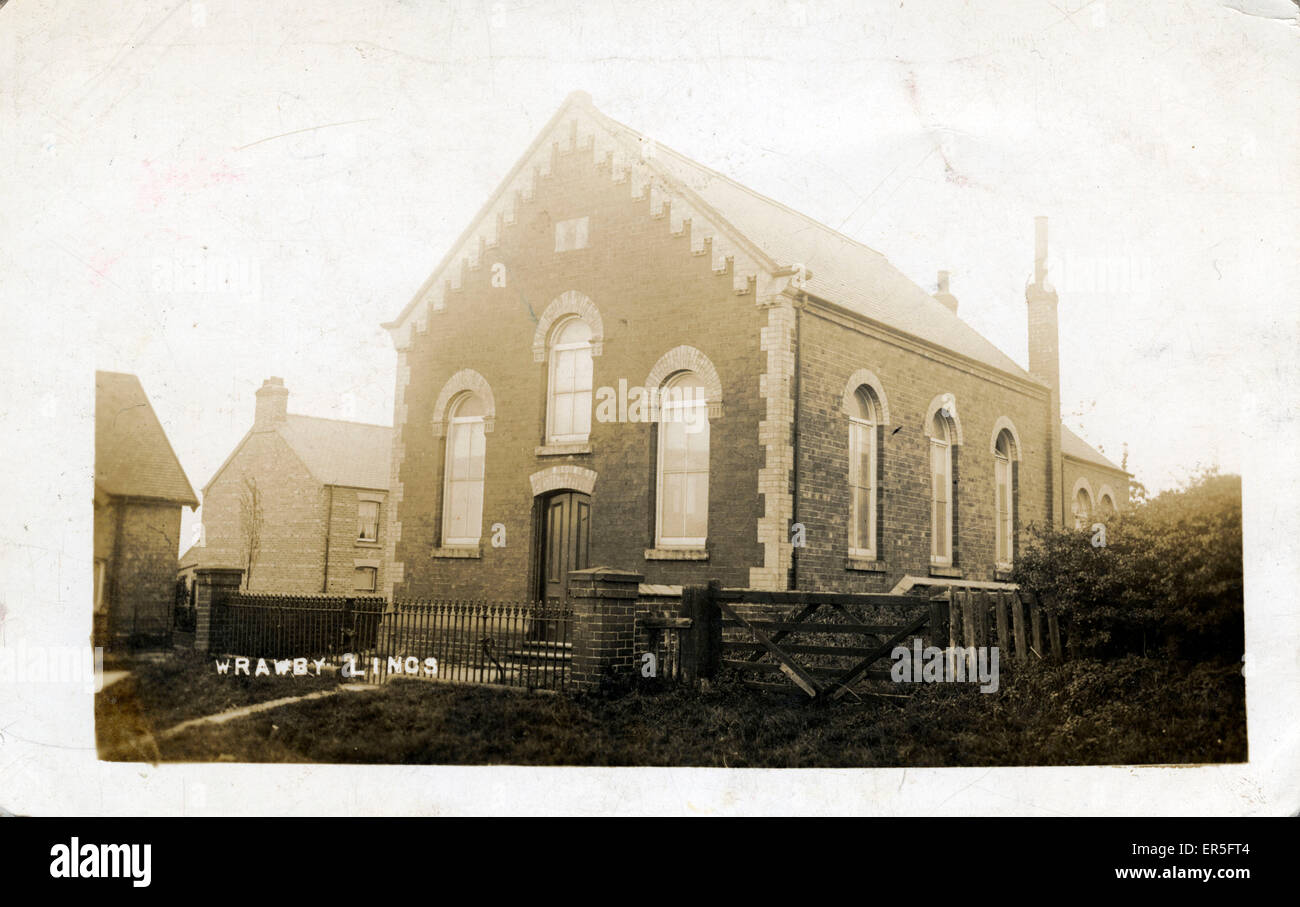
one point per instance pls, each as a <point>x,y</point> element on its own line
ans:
<point>272,405</point>
<point>1045,357</point>
<point>943,295</point>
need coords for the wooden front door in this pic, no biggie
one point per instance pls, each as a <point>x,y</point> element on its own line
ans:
<point>565,542</point>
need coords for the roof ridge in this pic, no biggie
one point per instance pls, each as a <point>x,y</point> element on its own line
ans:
<point>193,500</point>
<point>341,421</point>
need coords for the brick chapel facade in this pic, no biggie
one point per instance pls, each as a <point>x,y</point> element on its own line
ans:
<point>629,360</point>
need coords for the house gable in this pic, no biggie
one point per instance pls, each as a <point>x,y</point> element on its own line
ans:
<point>658,306</point>
<point>291,558</point>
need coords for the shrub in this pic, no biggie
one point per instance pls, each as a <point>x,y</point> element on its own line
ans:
<point>1167,578</point>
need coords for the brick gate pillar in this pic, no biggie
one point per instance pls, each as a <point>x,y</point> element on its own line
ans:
<point>214,586</point>
<point>604,625</point>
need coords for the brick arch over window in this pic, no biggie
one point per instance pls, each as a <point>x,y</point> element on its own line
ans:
<point>562,478</point>
<point>570,302</point>
<point>1005,425</point>
<point>1105,492</point>
<point>464,380</point>
<point>951,417</point>
<point>689,359</point>
<point>1082,482</point>
<point>865,377</point>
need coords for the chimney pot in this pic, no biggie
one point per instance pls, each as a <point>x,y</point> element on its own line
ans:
<point>272,405</point>
<point>1040,249</point>
<point>949,300</point>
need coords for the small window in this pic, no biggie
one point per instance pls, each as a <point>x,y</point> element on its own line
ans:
<point>364,579</point>
<point>1082,508</point>
<point>571,234</point>
<point>368,521</point>
<point>1107,507</point>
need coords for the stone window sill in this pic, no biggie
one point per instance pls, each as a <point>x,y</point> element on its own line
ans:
<point>1003,574</point>
<point>677,554</point>
<point>366,543</point>
<point>864,564</point>
<point>563,450</point>
<point>457,551</point>
<point>949,572</point>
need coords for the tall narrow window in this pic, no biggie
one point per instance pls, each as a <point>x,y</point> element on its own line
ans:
<point>862,476</point>
<point>368,521</point>
<point>568,411</point>
<point>940,492</point>
<point>683,474</point>
<point>462,512</point>
<point>1005,505</point>
<point>1107,506</point>
<point>1082,508</point>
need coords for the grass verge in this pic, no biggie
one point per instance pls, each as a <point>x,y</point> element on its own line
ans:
<point>159,694</point>
<point>1131,711</point>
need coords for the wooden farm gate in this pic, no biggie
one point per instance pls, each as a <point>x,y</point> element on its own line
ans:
<point>770,636</point>
<point>836,644</point>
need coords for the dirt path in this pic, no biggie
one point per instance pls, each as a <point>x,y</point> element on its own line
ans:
<point>148,743</point>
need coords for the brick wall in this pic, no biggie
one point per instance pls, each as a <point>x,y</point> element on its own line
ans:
<point>830,352</point>
<point>291,558</point>
<point>346,551</point>
<point>653,294</point>
<point>141,579</point>
<point>1097,477</point>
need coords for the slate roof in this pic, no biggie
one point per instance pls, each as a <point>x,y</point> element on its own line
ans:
<point>1074,446</point>
<point>844,271</point>
<point>341,453</point>
<point>132,454</point>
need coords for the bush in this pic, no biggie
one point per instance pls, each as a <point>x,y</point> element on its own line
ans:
<point>1167,578</point>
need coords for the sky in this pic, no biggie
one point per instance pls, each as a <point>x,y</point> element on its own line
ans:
<point>208,194</point>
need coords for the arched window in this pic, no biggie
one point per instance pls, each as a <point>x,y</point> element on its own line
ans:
<point>940,491</point>
<point>863,472</point>
<point>1082,508</point>
<point>682,477</point>
<point>462,508</point>
<point>1005,509</point>
<point>1106,506</point>
<point>568,409</point>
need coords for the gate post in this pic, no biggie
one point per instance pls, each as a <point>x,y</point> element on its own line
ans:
<point>701,650</point>
<point>213,586</point>
<point>939,608</point>
<point>604,624</point>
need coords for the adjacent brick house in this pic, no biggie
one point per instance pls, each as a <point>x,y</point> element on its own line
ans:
<point>322,489</point>
<point>140,490</point>
<point>630,360</point>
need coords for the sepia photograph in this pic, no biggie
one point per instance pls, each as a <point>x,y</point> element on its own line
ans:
<point>490,389</point>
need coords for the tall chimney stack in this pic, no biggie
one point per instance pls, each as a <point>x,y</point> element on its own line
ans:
<point>943,295</point>
<point>1045,358</point>
<point>272,405</point>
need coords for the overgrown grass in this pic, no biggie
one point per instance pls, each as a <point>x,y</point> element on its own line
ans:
<point>1131,711</point>
<point>160,694</point>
